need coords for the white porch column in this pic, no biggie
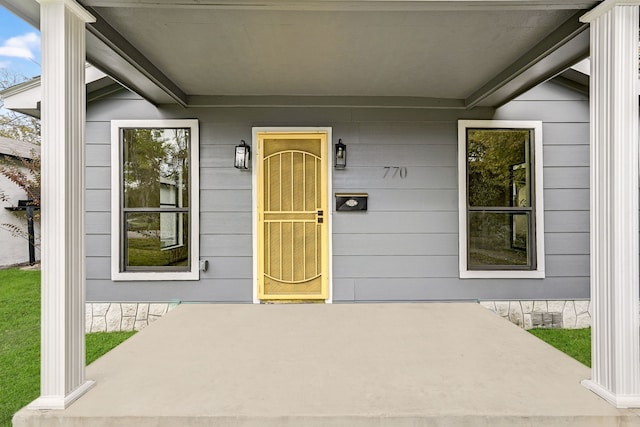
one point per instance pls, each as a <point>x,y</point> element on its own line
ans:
<point>614,202</point>
<point>62,25</point>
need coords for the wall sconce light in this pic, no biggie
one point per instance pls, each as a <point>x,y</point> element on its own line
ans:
<point>243,155</point>
<point>340,161</point>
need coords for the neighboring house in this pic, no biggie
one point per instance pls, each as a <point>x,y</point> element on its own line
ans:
<point>14,248</point>
<point>398,152</point>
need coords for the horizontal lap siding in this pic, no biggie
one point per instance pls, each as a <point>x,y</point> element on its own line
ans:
<point>225,211</point>
<point>565,116</point>
<point>410,231</point>
<point>226,241</point>
<point>207,289</point>
<point>404,248</point>
<point>399,244</point>
<point>448,289</point>
<point>420,177</point>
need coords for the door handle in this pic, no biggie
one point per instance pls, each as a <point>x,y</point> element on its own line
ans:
<point>320,218</point>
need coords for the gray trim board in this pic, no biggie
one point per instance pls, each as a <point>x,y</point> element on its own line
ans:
<point>561,49</point>
<point>362,5</point>
<point>325,101</point>
<point>106,34</point>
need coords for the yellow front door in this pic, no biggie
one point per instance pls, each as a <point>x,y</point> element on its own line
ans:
<point>292,216</point>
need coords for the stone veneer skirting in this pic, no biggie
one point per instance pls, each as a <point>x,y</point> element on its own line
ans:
<point>121,316</point>
<point>543,314</point>
<point>117,316</point>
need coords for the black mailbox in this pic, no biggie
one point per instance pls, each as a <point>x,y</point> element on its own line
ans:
<point>351,201</point>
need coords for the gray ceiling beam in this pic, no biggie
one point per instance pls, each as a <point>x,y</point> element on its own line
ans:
<point>119,58</point>
<point>106,34</point>
<point>575,80</point>
<point>95,94</point>
<point>564,47</point>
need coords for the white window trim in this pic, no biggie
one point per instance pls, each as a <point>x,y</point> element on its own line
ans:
<point>194,199</point>
<point>465,273</point>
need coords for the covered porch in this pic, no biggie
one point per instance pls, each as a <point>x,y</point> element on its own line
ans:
<point>419,55</point>
<point>397,365</point>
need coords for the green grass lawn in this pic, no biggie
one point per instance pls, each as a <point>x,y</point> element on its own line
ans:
<point>99,343</point>
<point>574,342</point>
<point>20,342</point>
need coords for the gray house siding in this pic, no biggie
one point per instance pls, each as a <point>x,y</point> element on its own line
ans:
<point>565,116</point>
<point>405,247</point>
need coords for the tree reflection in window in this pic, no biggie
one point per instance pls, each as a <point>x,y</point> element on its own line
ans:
<point>500,210</point>
<point>155,186</point>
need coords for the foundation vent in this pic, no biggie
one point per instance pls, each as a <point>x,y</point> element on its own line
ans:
<point>546,320</point>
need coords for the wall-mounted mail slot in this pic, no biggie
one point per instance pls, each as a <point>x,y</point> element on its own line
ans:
<point>351,201</point>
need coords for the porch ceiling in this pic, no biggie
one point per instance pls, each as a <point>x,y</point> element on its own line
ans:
<point>454,54</point>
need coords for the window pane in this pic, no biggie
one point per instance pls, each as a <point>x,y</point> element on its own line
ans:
<point>498,239</point>
<point>157,239</point>
<point>156,168</point>
<point>498,167</point>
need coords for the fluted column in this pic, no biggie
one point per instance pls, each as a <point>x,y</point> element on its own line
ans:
<point>62,26</point>
<point>614,203</point>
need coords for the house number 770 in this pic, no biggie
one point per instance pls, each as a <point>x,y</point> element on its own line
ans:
<point>391,172</point>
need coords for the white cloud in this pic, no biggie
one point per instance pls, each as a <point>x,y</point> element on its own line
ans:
<point>21,46</point>
<point>4,64</point>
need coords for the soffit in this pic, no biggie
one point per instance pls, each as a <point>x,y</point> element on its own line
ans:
<point>436,54</point>
<point>420,53</point>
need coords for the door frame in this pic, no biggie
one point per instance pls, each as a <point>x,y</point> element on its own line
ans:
<point>329,202</point>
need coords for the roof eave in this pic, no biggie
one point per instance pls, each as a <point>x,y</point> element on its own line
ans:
<point>564,47</point>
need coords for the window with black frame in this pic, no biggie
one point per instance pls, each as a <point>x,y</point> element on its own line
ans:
<point>500,193</point>
<point>155,199</point>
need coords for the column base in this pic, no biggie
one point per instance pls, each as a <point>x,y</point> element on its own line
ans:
<point>61,402</point>
<point>618,400</point>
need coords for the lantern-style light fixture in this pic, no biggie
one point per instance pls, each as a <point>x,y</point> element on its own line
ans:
<point>340,160</point>
<point>243,155</point>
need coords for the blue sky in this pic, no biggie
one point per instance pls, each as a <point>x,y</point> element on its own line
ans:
<point>19,45</point>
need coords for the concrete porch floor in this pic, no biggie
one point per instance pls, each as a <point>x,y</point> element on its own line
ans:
<point>335,365</point>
